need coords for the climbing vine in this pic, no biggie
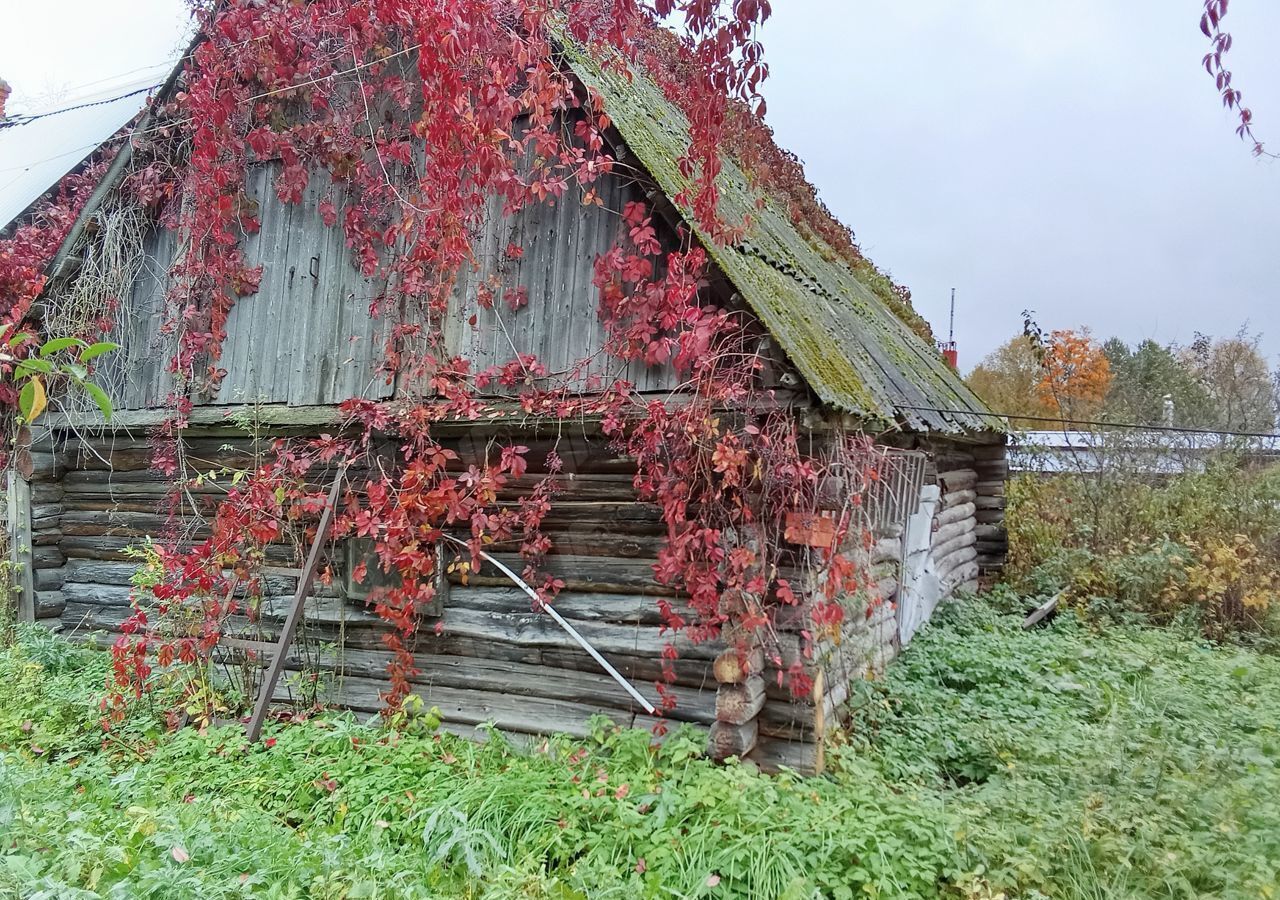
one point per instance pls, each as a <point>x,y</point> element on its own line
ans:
<point>28,361</point>
<point>413,121</point>
<point>1214,62</point>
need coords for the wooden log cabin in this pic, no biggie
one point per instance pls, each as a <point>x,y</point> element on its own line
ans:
<point>848,356</point>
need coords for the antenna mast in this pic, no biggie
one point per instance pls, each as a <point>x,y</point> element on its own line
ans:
<point>951,326</point>
<point>948,347</point>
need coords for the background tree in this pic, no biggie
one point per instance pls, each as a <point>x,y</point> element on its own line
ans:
<point>1040,380</point>
<point>1007,377</point>
<point>1074,375</point>
<point>1143,376</point>
<point>1235,376</point>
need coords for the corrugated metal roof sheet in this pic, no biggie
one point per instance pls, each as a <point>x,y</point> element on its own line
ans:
<point>1148,451</point>
<point>36,153</point>
<point>855,353</point>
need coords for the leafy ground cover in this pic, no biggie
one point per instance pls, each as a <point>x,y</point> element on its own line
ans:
<point>1129,762</point>
<point>1133,762</point>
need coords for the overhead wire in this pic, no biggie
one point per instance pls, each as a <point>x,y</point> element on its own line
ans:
<point>167,63</point>
<point>1090,423</point>
<point>129,134</point>
<point>20,119</point>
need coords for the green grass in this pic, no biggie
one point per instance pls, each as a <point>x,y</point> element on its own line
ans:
<point>1062,763</point>
<point>1133,762</point>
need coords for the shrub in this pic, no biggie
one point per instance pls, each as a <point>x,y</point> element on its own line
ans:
<point>1203,545</point>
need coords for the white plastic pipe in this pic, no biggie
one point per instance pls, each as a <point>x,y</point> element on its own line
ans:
<point>572,632</point>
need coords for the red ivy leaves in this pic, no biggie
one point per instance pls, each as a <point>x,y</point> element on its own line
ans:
<point>417,143</point>
<point>1220,43</point>
<point>25,254</point>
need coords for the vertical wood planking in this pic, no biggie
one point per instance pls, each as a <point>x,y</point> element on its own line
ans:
<point>135,376</point>
<point>315,301</point>
<point>306,337</point>
<point>20,557</point>
<point>561,323</point>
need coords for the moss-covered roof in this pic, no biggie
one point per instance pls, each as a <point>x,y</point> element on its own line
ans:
<point>856,355</point>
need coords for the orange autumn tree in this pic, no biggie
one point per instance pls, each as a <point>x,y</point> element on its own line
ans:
<point>1074,374</point>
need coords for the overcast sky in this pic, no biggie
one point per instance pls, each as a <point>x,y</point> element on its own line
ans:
<point>1068,156</point>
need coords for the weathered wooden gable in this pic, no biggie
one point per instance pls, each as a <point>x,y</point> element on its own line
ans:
<point>308,336</point>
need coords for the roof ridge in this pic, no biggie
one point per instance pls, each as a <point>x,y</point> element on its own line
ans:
<point>855,353</point>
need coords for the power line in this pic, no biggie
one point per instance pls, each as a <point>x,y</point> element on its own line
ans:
<point>169,64</point>
<point>1092,423</point>
<point>23,120</point>
<point>129,134</point>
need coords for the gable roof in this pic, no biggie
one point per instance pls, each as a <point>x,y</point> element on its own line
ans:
<point>856,355</point>
<point>853,351</point>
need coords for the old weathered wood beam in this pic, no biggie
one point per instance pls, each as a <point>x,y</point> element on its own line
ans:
<point>728,739</point>
<point>951,514</point>
<point>1043,611</point>
<point>735,666</point>
<point>254,728</point>
<point>737,704</point>
<point>20,555</point>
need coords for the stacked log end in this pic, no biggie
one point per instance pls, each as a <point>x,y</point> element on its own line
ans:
<point>792,728</point>
<point>740,695</point>
<point>992,545</point>
<point>952,548</point>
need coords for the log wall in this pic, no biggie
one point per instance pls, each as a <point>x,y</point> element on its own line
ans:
<point>969,543</point>
<point>991,462</point>
<point>966,544</point>
<point>952,551</point>
<point>489,657</point>
<point>34,519</point>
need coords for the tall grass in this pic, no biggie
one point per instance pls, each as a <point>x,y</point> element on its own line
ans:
<point>337,808</point>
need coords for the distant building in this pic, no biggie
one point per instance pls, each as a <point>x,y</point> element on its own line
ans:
<point>1149,451</point>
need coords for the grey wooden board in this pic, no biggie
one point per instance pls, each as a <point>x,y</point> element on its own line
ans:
<point>283,343</point>
<point>481,677</point>
<point>20,556</point>
<point>561,324</point>
<point>307,337</point>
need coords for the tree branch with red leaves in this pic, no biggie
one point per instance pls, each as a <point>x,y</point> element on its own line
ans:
<point>1232,98</point>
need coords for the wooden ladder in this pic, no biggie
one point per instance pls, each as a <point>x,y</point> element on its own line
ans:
<point>279,650</point>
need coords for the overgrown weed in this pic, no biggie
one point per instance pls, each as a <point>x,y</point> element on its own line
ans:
<point>990,762</point>
<point>1199,548</point>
